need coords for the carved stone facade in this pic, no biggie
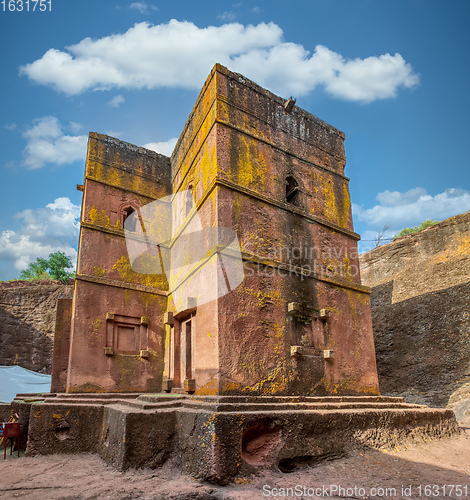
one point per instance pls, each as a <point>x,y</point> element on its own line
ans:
<point>298,324</point>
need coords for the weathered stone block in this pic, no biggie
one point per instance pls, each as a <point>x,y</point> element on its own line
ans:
<point>327,354</point>
<point>136,438</point>
<point>168,318</point>
<point>63,428</point>
<point>61,350</point>
<point>190,385</point>
<point>296,350</point>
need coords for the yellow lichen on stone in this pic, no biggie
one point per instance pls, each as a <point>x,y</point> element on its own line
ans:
<point>248,167</point>
<point>264,298</point>
<point>127,274</point>
<point>100,219</point>
<point>345,206</point>
<point>95,327</point>
<point>99,271</point>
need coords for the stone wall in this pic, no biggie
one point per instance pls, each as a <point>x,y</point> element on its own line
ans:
<point>420,313</point>
<point>27,322</point>
<point>117,334</point>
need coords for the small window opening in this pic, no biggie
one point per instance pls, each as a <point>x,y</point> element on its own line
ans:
<point>292,188</point>
<point>127,212</point>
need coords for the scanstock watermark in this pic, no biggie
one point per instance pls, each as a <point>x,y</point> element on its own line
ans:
<point>339,491</point>
<point>169,237</point>
<point>328,491</point>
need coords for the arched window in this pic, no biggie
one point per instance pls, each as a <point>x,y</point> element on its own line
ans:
<point>125,214</point>
<point>292,188</point>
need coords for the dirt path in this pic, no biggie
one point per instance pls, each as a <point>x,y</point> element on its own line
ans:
<point>372,475</point>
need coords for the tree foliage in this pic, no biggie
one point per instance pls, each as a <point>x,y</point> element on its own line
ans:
<point>53,268</point>
<point>411,230</point>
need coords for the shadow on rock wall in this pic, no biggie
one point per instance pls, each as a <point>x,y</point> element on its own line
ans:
<point>23,344</point>
<point>423,345</point>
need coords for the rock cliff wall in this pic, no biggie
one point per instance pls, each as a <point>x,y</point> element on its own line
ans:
<point>421,314</point>
<point>27,322</point>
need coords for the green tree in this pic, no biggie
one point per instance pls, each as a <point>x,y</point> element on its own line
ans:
<point>53,268</point>
<point>410,230</point>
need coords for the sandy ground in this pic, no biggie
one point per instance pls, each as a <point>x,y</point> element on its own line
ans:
<point>434,466</point>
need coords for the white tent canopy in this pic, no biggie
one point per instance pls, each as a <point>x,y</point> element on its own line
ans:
<point>16,380</point>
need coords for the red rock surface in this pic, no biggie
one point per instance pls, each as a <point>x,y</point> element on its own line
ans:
<point>85,476</point>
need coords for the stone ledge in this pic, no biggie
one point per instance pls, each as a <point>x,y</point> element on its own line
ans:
<point>221,446</point>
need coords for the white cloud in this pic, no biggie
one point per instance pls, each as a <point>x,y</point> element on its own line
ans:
<point>43,231</point>
<point>48,144</point>
<point>58,220</point>
<point>228,15</point>
<point>75,127</point>
<point>409,209</point>
<point>10,126</point>
<point>164,148</point>
<point>369,79</point>
<point>180,54</point>
<point>143,7</point>
<point>116,101</point>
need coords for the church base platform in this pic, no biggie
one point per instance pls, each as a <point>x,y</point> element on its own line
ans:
<point>217,438</point>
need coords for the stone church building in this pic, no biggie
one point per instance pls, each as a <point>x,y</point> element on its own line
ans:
<point>280,311</point>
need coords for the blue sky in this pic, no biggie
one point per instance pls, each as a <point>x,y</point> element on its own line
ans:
<point>392,74</point>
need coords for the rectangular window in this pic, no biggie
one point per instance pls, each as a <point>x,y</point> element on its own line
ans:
<point>126,334</point>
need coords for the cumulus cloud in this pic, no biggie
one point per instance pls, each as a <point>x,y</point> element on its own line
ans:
<point>47,143</point>
<point>116,101</point>
<point>180,54</point>
<point>46,230</point>
<point>164,148</point>
<point>400,210</point>
<point>143,7</point>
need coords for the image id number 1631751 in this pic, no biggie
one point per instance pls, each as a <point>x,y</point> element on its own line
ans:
<point>26,5</point>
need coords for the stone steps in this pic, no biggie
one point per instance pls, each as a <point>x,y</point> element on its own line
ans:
<point>275,399</point>
<point>230,403</point>
<point>215,405</point>
<point>233,407</point>
<point>224,433</point>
